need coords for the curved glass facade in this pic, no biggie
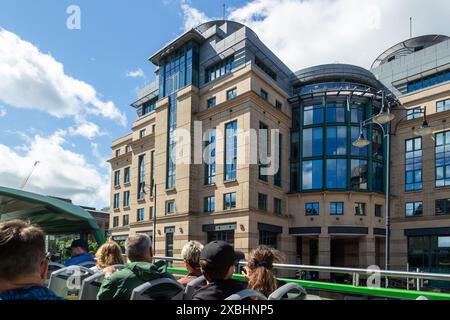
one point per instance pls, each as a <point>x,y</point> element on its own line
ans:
<point>322,154</point>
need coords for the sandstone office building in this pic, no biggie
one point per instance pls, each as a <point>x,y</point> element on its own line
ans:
<point>326,204</point>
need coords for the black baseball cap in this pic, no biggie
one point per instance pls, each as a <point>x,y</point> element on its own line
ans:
<point>79,243</point>
<point>221,253</point>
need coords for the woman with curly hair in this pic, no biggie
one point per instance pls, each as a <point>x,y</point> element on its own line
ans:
<point>259,270</point>
<point>109,254</point>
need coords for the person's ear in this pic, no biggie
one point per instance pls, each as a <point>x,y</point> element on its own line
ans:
<point>43,270</point>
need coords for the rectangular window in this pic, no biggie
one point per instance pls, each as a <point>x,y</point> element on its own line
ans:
<point>171,143</point>
<point>277,206</point>
<point>264,149</point>
<point>116,201</point>
<point>227,236</point>
<point>209,204</point>
<point>442,207</point>
<point>336,174</point>
<point>231,94</point>
<point>126,176</point>
<point>336,208</point>
<point>169,242</point>
<point>148,107</point>
<point>312,142</point>
<point>336,141</point>
<point>117,153</point>
<point>335,113</point>
<point>220,69</point>
<point>230,151</point>
<point>152,172</point>
<point>262,202</point>
<point>117,178</point>
<point>170,207</point>
<point>278,105</point>
<point>126,199</point>
<point>210,165</point>
<point>443,105</point>
<point>360,209</point>
<point>378,210</point>
<point>278,176</point>
<point>142,133</point>
<point>313,115</point>
<point>263,94</point>
<point>312,209</point>
<point>312,175</point>
<point>229,201</point>
<point>265,69</point>
<point>413,164</point>
<point>141,176</point>
<point>115,222</point>
<point>413,114</point>
<point>211,103</point>
<point>358,175</point>
<point>140,214</point>
<point>414,209</point>
<point>126,220</point>
<point>267,238</point>
<point>442,151</point>
<point>151,213</point>
<point>127,149</point>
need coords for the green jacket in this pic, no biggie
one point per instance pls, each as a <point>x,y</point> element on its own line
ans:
<point>120,285</point>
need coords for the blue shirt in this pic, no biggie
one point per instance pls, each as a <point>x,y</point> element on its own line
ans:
<point>29,293</point>
<point>81,258</point>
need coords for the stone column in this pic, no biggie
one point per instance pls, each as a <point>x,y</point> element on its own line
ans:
<point>324,255</point>
<point>367,252</point>
<point>305,252</point>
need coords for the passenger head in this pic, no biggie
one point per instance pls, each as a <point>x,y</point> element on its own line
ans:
<point>22,254</point>
<point>78,247</point>
<point>108,255</point>
<point>191,255</point>
<point>139,248</point>
<point>259,269</point>
<point>218,259</point>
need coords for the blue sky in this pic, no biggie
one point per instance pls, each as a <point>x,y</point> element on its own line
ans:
<point>65,94</point>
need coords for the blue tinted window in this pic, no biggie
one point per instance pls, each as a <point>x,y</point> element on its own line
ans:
<point>312,175</point>
<point>358,174</point>
<point>336,141</point>
<point>413,164</point>
<point>361,152</point>
<point>336,174</point>
<point>312,142</point>
<point>313,115</point>
<point>312,209</point>
<point>230,150</point>
<point>140,214</point>
<point>335,113</point>
<point>336,208</point>
<point>210,204</point>
<point>443,159</point>
<point>210,158</point>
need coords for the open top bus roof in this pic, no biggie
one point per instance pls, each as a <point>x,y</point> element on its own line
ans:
<point>53,216</point>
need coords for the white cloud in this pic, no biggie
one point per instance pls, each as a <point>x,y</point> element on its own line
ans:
<point>61,172</point>
<point>192,16</point>
<point>86,129</point>
<point>139,73</point>
<point>34,80</point>
<point>2,111</point>
<point>304,33</point>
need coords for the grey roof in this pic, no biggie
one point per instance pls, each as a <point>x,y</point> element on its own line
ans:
<point>407,47</point>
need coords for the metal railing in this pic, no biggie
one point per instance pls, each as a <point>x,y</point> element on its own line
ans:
<point>356,273</point>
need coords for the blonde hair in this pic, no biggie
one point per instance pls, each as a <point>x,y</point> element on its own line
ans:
<point>108,255</point>
<point>260,269</point>
<point>191,253</point>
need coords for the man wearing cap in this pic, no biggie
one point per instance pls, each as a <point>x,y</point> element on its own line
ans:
<point>79,254</point>
<point>217,261</point>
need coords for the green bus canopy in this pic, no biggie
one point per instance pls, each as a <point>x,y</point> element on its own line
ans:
<point>53,216</point>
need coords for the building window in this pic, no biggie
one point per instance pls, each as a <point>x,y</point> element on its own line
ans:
<point>140,214</point>
<point>443,105</point>
<point>231,94</point>
<point>267,238</point>
<point>312,142</point>
<point>413,164</point>
<point>414,209</point>
<point>414,114</point>
<point>210,165</point>
<point>336,208</point>
<point>148,107</point>
<point>360,209</point>
<point>141,176</point>
<point>116,201</point>
<point>263,150</point>
<point>277,206</point>
<point>126,199</point>
<point>378,210</point>
<point>336,141</point>
<point>359,152</point>
<point>265,69</point>
<point>171,143</point>
<point>262,202</point>
<point>313,115</point>
<point>442,159</point>
<point>227,236</point>
<point>229,201</point>
<point>115,222</point>
<point>442,207</point>
<point>336,174</point>
<point>358,175</point>
<point>117,152</point>
<point>312,175</point>
<point>335,113</point>
<point>127,149</point>
<point>152,173</point>
<point>278,105</point>
<point>278,176</point>
<point>211,103</point>
<point>170,207</point>
<point>151,213</point>
<point>230,151</point>
<point>142,133</point>
<point>428,81</point>
<point>126,220</point>
<point>357,114</point>
<point>312,209</point>
<point>126,176</point>
<point>169,241</point>
<point>263,94</point>
<point>117,178</point>
<point>219,69</point>
<point>209,204</point>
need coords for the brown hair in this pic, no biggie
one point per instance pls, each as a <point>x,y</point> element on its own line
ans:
<point>22,249</point>
<point>213,273</point>
<point>108,255</point>
<point>260,269</point>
